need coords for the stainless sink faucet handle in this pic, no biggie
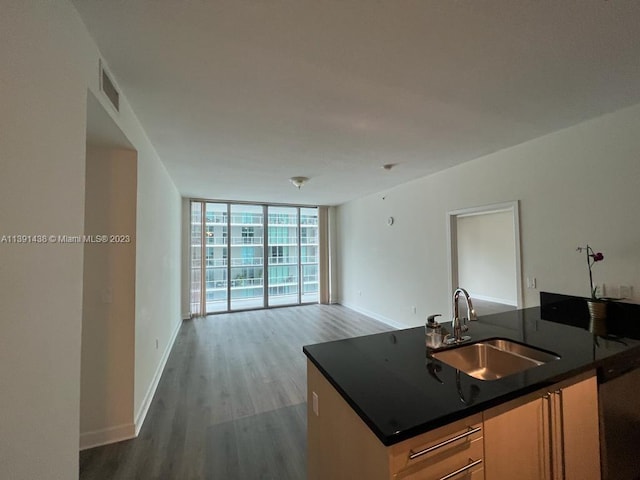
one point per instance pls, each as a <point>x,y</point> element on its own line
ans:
<point>460,325</point>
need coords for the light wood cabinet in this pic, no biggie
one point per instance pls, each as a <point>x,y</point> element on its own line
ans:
<point>514,445</point>
<point>440,453</point>
<point>552,434</point>
<point>342,447</point>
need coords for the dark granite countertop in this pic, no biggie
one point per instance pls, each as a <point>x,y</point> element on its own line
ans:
<point>399,392</point>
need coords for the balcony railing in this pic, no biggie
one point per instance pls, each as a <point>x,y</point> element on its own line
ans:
<point>258,261</point>
<point>259,282</point>
<point>235,262</point>
<point>216,240</point>
<point>246,240</point>
<point>246,282</point>
<point>256,219</point>
<point>289,260</point>
<point>238,285</point>
<point>283,240</point>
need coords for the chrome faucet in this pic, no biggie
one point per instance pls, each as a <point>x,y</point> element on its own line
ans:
<point>457,324</point>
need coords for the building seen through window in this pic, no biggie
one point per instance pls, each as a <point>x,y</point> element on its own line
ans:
<point>255,256</point>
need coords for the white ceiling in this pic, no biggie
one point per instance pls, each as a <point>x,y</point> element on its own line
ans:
<point>239,95</point>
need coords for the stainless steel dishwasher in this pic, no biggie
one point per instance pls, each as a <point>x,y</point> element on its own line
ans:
<point>619,403</point>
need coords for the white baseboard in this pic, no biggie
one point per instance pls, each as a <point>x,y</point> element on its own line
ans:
<point>97,438</point>
<point>146,403</point>
<point>375,316</point>
<point>493,299</point>
<point>186,316</point>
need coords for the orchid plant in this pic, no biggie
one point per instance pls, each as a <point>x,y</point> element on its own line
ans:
<point>592,258</point>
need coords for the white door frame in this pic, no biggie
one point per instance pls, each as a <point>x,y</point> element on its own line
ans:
<point>452,240</point>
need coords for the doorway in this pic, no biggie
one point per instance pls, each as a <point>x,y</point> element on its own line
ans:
<point>484,252</point>
<point>108,283</point>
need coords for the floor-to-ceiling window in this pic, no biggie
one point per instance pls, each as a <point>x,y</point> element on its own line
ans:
<point>246,289</point>
<point>284,262</point>
<point>309,254</point>
<point>215,240</point>
<point>196,285</point>
<point>246,256</point>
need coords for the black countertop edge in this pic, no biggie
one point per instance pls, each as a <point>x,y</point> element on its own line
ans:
<point>354,362</point>
<point>389,440</point>
<point>477,408</point>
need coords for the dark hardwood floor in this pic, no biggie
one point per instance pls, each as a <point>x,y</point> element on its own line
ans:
<point>231,403</point>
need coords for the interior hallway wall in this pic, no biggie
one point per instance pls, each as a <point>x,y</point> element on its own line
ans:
<point>49,62</point>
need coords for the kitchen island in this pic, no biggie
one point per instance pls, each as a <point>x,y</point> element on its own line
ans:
<point>397,392</point>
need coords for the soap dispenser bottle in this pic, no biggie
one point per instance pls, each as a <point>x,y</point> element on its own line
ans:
<point>433,332</point>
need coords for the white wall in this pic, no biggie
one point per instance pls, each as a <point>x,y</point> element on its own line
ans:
<point>486,256</point>
<point>42,149</point>
<point>48,63</point>
<point>575,186</point>
<point>108,300</point>
<point>158,237</point>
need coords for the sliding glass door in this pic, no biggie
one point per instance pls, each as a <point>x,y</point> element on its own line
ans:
<point>282,245</point>
<point>196,298</point>
<point>247,256</point>
<point>309,258</point>
<point>216,251</point>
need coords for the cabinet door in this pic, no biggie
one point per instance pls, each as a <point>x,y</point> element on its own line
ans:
<point>555,436</point>
<point>580,430</point>
<point>516,442</point>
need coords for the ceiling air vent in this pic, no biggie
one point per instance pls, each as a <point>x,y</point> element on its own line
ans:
<point>108,88</point>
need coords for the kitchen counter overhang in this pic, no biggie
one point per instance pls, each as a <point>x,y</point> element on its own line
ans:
<point>399,391</point>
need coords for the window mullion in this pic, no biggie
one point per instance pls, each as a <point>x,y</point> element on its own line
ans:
<point>229,256</point>
<point>203,261</point>
<point>265,255</point>
<point>299,257</point>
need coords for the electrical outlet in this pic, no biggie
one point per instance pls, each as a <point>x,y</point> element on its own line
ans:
<point>315,402</point>
<point>531,282</point>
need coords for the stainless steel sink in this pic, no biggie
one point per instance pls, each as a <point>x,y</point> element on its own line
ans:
<point>494,359</point>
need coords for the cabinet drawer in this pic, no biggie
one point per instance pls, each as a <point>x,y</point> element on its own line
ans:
<point>469,475</point>
<point>456,442</point>
<point>469,464</point>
